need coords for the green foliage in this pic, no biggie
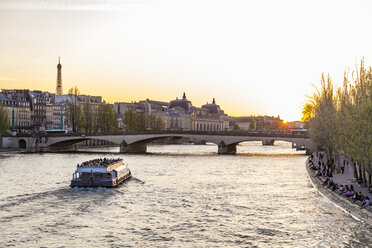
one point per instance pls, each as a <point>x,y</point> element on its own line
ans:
<point>236,127</point>
<point>99,118</point>
<point>154,122</point>
<point>308,111</point>
<point>130,119</point>
<point>73,110</point>
<point>276,125</point>
<point>355,117</point>
<point>260,125</point>
<point>87,117</point>
<point>361,124</point>
<point>340,120</point>
<point>323,124</point>
<point>4,120</point>
<point>252,124</point>
<point>159,124</point>
<point>141,121</point>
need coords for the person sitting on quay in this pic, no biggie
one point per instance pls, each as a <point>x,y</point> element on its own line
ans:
<point>349,193</point>
<point>311,164</point>
<point>341,189</point>
<point>366,202</point>
<point>330,183</point>
<point>361,196</point>
<point>346,190</point>
<point>312,167</point>
<point>326,182</point>
<point>370,189</point>
<point>334,187</point>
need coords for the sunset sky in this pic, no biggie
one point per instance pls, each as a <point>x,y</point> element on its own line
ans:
<point>254,57</point>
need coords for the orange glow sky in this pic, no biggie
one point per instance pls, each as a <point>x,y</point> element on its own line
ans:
<point>254,57</point>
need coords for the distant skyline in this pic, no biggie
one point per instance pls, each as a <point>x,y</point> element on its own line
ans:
<point>253,57</point>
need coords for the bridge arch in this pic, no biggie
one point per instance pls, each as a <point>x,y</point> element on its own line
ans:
<point>74,141</point>
<point>245,139</point>
<point>22,143</point>
<point>140,145</point>
<point>298,143</point>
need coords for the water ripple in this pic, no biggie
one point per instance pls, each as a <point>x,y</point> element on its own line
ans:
<point>179,196</point>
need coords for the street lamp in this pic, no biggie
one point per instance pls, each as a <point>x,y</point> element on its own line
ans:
<point>13,125</point>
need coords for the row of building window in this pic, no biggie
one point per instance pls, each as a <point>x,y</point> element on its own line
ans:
<point>22,124</point>
<point>39,107</point>
<point>15,103</point>
<point>208,127</point>
<point>23,116</point>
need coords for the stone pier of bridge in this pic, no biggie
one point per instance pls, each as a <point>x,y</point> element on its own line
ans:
<point>226,149</point>
<point>268,142</point>
<point>133,148</point>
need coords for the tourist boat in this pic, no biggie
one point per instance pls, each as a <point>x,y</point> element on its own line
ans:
<point>100,173</point>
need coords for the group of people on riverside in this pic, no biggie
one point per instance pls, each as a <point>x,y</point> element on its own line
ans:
<point>325,171</point>
<point>99,162</point>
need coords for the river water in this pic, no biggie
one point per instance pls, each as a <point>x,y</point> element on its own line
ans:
<point>179,196</point>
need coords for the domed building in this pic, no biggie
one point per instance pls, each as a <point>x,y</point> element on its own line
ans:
<point>210,117</point>
<point>213,108</point>
<point>181,105</point>
<point>181,115</point>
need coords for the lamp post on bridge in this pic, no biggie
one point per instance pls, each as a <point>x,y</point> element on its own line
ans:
<point>61,124</point>
<point>13,125</point>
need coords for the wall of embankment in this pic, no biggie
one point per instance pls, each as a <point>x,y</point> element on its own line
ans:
<point>362,214</point>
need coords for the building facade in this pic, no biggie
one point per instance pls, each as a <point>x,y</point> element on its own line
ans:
<point>19,112</point>
<point>58,116</point>
<point>178,114</point>
<point>39,101</point>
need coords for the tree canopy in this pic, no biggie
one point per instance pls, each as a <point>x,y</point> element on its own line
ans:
<point>340,118</point>
<point>141,121</point>
<point>86,117</point>
<point>4,120</point>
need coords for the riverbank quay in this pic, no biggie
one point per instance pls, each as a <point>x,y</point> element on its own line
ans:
<point>341,201</point>
<point>9,150</point>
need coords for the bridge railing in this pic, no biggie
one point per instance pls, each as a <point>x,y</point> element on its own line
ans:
<point>277,134</point>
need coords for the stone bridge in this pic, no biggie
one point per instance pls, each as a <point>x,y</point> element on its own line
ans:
<point>136,142</point>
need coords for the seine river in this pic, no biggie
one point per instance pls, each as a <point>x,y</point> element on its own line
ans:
<point>179,196</point>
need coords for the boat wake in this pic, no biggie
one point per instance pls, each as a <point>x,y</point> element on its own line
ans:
<point>25,198</point>
<point>60,194</point>
<point>135,179</point>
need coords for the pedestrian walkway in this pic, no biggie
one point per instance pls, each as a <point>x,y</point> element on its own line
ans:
<point>348,179</point>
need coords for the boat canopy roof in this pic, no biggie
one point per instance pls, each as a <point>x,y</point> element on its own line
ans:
<point>121,168</point>
<point>91,170</point>
<point>118,167</point>
<point>99,165</point>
